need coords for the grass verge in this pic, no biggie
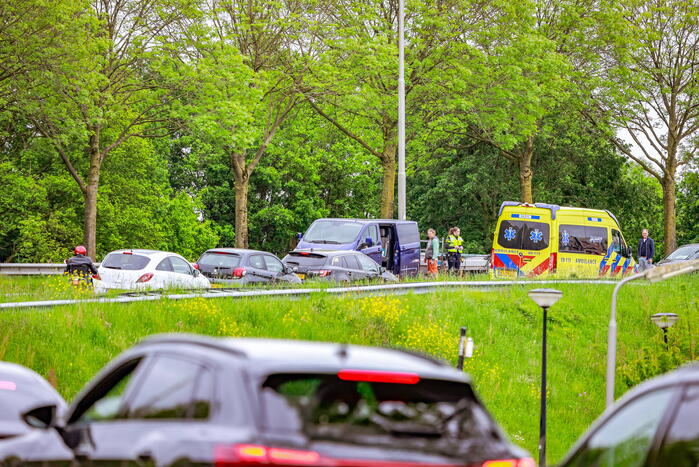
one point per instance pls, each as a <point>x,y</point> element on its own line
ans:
<point>69,344</point>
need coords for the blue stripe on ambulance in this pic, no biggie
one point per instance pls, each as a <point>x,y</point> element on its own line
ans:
<point>615,264</point>
<point>626,265</point>
<point>606,258</point>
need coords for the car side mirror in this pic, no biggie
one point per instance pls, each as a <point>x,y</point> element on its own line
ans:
<point>382,269</point>
<point>196,273</point>
<point>288,270</point>
<point>43,417</point>
<point>369,242</point>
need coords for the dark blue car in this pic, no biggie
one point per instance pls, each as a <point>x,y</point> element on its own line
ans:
<point>393,244</point>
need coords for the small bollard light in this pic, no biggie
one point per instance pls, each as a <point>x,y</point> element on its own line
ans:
<point>665,321</point>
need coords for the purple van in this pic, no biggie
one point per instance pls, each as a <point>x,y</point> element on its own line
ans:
<point>393,244</point>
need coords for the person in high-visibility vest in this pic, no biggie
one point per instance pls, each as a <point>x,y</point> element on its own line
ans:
<point>454,247</point>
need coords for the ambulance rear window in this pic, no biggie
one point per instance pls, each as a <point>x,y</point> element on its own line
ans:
<point>583,239</point>
<point>524,235</point>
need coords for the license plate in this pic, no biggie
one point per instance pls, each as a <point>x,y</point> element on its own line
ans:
<point>506,273</point>
<point>301,276</point>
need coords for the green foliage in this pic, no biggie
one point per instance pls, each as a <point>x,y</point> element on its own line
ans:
<point>688,209</point>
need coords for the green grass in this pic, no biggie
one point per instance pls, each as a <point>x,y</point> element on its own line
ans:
<point>69,344</point>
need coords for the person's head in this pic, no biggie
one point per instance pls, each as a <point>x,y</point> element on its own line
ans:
<point>80,250</point>
<point>456,231</point>
<point>431,233</point>
<point>644,233</point>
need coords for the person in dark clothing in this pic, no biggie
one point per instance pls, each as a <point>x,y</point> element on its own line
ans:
<point>645,251</point>
<point>80,266</point>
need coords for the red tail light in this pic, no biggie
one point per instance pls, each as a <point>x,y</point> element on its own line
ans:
<point>524,462</point>
<point>195,266</point>
<point>239,272</point>
<point>127,252</point>
<point>324,273</point>
<point>252,454</point>
<point>378,376</point>
<point>96,276</point>
<point>146,277</point>
<point>554,262</point>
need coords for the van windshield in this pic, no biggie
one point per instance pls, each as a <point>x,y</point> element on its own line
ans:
<point>333,232</point>
<point>521,235</point>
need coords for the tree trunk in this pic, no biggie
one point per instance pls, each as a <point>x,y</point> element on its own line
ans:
<point>669,213</point>
<point>241,211</point>
<point>388,190</point>
<point>526,174</point>
<point>90,220</point>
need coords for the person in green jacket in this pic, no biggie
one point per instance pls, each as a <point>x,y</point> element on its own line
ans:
<point>454,246</point>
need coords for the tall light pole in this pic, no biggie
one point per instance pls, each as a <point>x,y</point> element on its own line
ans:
<point>401,111</point>
<point>656,274</point>
<point>545,298</point>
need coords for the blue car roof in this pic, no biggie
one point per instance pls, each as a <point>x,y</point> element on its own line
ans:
<point>366,221</point>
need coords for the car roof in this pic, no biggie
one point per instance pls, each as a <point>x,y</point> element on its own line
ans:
<point>327,252</point>
<point>142,251</point>
<point>239,251</point>
<point>284,356</point>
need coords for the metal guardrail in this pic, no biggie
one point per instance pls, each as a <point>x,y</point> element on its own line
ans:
<point>383,289</point>
<point>33,269</point>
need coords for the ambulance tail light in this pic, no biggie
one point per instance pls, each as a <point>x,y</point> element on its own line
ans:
<point>492,258</point>
<point>553,264</point>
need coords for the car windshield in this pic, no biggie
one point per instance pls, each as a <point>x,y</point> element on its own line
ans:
<point>434,414</point>
<point>684,252</point>
<point>303,258</point>
<point>333,232</point>
<point>126,261</point>
<point>220,260</point>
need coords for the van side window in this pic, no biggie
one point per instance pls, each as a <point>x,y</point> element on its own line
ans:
<point>372,232</point>
<point>582,239</point>
<point>520,235</point>
<point>408,233</point>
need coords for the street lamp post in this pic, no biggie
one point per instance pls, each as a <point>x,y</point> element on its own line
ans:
<point>401,111</point>
<point>545,298</point>
<point>664,321</point>
<point>656,274</point>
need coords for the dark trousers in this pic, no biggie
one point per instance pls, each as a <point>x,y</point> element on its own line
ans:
<point>454,261</point>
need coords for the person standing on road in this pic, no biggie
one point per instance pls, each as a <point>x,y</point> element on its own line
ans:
<point>80,266</point>
<point>454,246</point>
<point>646,251</point>
<point>432,252</point>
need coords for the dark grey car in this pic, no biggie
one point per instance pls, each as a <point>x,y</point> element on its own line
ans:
<point>184,400</point>
<point>656,424</point>
<point>683,253</point>
<point>22,389</point>
<point>238,266</point>
<point>339,266</point>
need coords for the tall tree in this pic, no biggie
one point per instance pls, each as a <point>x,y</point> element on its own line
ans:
<point>512,80</point>
<point>106,87</point>
<point>648,83</point>
<point>247,92</point>
<point>354,83</point>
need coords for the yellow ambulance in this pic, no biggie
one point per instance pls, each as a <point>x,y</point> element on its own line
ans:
<point>539,239</point>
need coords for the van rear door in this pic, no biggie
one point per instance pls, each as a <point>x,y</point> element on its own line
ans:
<point>408,248</point>
<point>523,243</point>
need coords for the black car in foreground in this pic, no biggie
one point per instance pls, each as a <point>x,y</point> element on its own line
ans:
<point>338,266</point>
<point>21,389</point>
<point>238,266</point>
<point>656,424</point>
<point>191,400</point>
